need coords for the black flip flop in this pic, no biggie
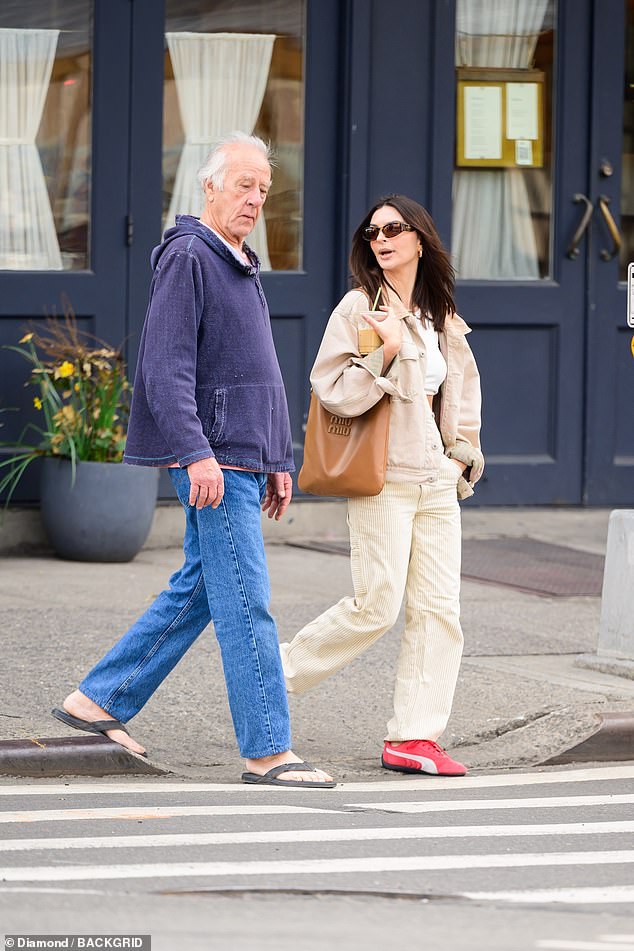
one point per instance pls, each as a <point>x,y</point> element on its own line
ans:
<point>270,778</point>
<point>91,726</point>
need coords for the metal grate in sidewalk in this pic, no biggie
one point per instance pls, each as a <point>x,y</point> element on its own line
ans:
<point>521,563</point>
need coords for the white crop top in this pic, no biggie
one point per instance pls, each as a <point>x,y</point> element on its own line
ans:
<point>436,370</point>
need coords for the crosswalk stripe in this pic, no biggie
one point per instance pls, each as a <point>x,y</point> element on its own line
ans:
<point>582,895</point>
<point>453,805</point>
<point>313,835</point>
<point>594,774</point>
<point>583,775</point>
<point>311,866</point>
<point>251,809</point>
<point>564,945</point>
<point>155,812</point>
<point>44,890</point>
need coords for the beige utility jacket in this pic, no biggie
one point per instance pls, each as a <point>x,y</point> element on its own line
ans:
<point>348,384</point>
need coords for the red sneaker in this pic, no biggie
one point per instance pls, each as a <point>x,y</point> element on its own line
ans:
<point>420,756</point>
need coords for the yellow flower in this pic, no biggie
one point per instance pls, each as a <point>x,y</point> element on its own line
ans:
<point>66,369</point>
<point>26,338</point>
<point>37,402</point>
<point>76,387</point>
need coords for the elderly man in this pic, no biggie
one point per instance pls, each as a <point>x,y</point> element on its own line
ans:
<point>209,403</point>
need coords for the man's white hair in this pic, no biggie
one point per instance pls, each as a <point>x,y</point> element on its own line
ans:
<point>215,166</point>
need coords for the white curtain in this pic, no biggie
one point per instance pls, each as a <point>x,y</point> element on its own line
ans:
<point>220,83</point>
<point>493,234</point>
<point>28,240</point>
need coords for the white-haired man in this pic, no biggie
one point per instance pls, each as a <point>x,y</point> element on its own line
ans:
<point>209,403</point>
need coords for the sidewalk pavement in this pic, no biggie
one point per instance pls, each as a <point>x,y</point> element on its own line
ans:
<point>520,698</point>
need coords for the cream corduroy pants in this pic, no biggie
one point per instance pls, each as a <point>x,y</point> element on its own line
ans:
<point>406,541</point>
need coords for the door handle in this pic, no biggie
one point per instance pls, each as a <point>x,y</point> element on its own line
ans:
<point>615,234</point>
<point>573,247</point>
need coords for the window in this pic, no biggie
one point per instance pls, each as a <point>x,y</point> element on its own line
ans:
<point>502,185</point>
<point>45,134</point>
<point>233,65</point>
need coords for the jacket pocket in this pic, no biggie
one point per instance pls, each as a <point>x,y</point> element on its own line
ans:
<point>409,378</point>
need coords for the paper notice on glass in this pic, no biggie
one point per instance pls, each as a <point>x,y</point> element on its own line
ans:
<point>483,122</point>
<point>521,111</point>
<point>523,152</point>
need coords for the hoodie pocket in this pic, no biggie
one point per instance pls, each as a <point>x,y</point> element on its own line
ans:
<point>256,421</point>
<point>212,410</point>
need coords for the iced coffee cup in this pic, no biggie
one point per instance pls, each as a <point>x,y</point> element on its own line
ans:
<point>369,339</point>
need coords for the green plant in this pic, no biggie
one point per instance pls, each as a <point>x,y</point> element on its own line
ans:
<point>82,393</point>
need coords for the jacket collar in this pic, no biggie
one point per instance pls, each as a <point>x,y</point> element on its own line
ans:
<point>455,325</point>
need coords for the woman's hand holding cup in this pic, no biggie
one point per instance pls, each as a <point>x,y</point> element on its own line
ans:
<point>388,328</point>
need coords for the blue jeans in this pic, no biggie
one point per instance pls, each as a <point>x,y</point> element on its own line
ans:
<point>224,579</point>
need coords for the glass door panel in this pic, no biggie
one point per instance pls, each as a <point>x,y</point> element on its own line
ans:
<point>235,67</point>
<point>45,135</point>
<point>502,184</point>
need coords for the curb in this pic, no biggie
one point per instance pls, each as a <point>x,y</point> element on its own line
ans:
<point>612,742</point>
<point>616,666</point>
<point>97,756</point>
<point>72,756</point>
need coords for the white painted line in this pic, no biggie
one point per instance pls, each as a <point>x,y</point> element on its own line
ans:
<point>548,775</point>
<point>372,865</point>
<point>154,812</point>
<point>422,784</point>
<point>168,840</point>
<point>249,809</point>
<point>458,805</point>
<point>558,945</point>
<point>612,894</point>
<point>35,889</point>
<point>616,937</point>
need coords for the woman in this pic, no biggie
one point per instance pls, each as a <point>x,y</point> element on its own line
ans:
<point>406,540</point>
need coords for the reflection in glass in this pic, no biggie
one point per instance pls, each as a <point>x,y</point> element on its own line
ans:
<point>45,130</point>
<point>237,66</point>
<point>501,216</point>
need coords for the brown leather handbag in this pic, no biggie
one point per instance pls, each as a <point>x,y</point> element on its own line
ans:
<point>345,455</point>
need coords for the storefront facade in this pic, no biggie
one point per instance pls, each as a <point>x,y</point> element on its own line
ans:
<point>511,120</point>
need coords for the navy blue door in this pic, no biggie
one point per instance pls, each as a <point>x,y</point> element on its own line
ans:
<point>536,251</point>
<point>609,462</point>
<point>82,141</point>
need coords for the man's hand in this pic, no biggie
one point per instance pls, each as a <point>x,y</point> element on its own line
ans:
<point>279,490</point>
<point>207,483</point>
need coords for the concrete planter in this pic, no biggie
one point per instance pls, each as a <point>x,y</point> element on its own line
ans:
<point>105,515</point>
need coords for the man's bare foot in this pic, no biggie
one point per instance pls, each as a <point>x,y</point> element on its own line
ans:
<point>265,763</point>
<point>80,706</point>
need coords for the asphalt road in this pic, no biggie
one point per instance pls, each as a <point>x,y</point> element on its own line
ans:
<point>500,862</point>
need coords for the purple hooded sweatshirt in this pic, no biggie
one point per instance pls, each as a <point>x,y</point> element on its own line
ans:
<point>208,383</point>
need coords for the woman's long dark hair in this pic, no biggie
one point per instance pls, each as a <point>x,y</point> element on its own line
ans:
<point>435,279</point>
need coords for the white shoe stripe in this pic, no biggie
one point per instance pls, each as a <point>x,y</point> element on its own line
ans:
<point>427,764</point>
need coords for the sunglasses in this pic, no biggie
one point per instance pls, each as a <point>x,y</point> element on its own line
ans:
<point>390,230</point>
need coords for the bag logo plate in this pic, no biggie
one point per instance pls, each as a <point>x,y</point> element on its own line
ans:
<point>340,425</point>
